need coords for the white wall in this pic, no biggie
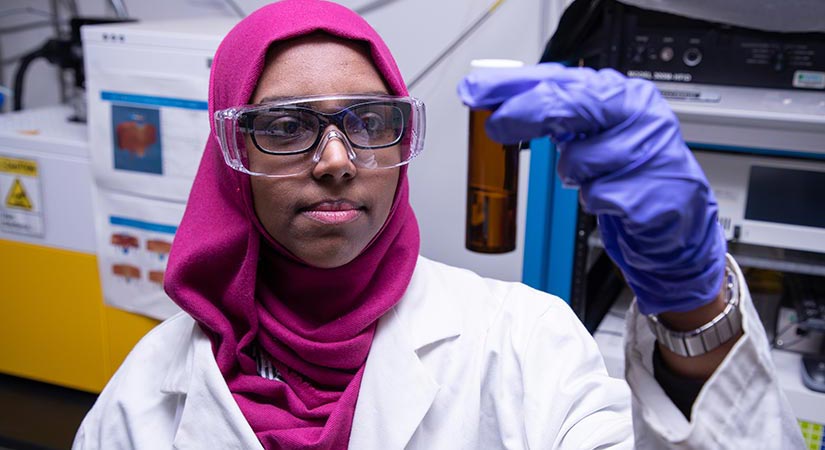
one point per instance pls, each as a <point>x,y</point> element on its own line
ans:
<point>416,31</point>
<point>438,177</point>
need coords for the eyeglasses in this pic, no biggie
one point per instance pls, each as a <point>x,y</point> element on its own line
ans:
<point>288,137</point>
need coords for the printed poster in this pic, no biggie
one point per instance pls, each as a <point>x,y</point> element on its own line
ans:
<point>148,133</point>
<point>134,240</point>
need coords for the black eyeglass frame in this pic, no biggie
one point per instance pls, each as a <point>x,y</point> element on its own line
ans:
<point>325,120</point>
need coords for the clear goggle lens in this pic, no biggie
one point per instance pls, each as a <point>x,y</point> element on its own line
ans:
<point>288,137</point>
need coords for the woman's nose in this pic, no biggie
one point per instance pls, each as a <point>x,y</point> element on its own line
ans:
<point>334,156</point>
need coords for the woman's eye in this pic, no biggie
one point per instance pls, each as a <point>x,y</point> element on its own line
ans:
<point>284,127</point>
<point>371,122</point>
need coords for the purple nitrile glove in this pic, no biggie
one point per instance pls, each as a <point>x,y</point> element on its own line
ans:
<point>620,143</point>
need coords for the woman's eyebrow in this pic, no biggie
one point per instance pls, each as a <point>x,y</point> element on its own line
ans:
<point>276,98</point>
<point>374,93</point>
<point>273,98</point>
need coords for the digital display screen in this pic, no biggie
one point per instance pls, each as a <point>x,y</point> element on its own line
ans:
<point>790,196</point>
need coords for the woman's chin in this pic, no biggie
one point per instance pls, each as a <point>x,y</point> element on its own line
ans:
<point>329,256</point>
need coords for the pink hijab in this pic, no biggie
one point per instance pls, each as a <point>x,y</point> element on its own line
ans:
<point>245,290</point>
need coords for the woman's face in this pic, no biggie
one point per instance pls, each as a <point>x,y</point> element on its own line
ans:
<point>327,216</point>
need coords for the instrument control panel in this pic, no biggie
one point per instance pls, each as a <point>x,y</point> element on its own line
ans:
<point>664,47</point>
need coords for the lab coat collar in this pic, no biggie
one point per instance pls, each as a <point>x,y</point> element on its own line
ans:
<point>398,389</point>
<point>396,392</point>
<point>428,309</point>
<point>209,415</point>
<point>179,375</point>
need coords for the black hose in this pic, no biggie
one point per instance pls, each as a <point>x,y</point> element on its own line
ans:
<point>20,74</point>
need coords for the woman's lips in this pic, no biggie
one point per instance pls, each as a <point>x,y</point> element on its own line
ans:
<point>333,212</point>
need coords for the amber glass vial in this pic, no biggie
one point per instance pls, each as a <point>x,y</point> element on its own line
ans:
<point>492,181</point>
<point>492,190</point>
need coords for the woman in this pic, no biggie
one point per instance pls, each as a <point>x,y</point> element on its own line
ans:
<point>313,323</point>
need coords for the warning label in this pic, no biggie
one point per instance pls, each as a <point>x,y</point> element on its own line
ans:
<point>17,197</point>
<point>18,166</point>
<point>21,211</point>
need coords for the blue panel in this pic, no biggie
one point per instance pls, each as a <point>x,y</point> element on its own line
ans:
<point>142,225</point>
<point>562,240</point>
<point>154,101</point>
<point>539,204</point>
<point>549,240</point>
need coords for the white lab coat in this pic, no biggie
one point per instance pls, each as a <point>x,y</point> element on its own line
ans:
<point>462,362</point>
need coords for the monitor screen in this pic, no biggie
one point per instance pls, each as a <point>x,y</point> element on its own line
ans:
<point>790,196</point>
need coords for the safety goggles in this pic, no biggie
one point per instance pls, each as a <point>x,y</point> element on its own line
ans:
<point>288,137</point>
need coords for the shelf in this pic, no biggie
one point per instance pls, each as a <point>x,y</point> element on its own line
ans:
<point>782,260</point>
<point>760,257</point>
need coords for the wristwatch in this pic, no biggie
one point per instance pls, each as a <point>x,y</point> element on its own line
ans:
<point>710,335</point>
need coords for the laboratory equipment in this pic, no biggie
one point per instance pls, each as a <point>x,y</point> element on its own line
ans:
<point>492,181</point>
<point>53,323</point>
<point>808,294</point>
<point>814,374</point>
<point>751,105</point>
<point>66,53</point>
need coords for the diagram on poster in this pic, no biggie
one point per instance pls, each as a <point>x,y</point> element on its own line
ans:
<point>21,210</point>
<point>136,144</point>
<point>134,240</point>
<point>147,133</point>
<point>155,135</point>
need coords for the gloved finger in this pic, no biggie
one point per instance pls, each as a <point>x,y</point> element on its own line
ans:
<point>550,100</point>
<point>650,128</point>
<point>487,89</point>
<point>542,111</point>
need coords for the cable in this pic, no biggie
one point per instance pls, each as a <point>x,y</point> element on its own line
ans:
<point>120,8</point>
<point>56,51</point>
<point>373,5</point>
<point>71,5</point>
<point>453,45</point>
<point>234,6</point>
<point>20,73</point>
<point>58,33</point>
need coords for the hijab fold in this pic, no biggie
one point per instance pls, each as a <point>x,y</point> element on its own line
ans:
<point>247,292</point>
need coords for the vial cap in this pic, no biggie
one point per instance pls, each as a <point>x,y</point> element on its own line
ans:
<point>495,63</point>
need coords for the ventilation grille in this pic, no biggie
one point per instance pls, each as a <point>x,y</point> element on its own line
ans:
<point>725,222</point>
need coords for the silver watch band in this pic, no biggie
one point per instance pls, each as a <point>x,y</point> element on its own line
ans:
<point>710,335</point>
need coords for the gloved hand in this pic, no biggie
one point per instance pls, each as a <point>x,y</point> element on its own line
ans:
<point>620,143</point>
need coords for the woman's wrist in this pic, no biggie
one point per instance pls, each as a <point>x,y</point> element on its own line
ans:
<point>695,318</point>
<point>697,367</point>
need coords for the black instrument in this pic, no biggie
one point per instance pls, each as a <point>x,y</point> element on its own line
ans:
<point>667,47</point>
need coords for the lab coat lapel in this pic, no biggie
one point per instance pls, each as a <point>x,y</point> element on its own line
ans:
<point>398,389</point>
<point>396,392</point>
<point>210,417</point>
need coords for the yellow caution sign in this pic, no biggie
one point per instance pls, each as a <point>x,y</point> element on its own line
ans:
<point>17,197</point>
<point>21,205</point>
<point>17,166</point>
